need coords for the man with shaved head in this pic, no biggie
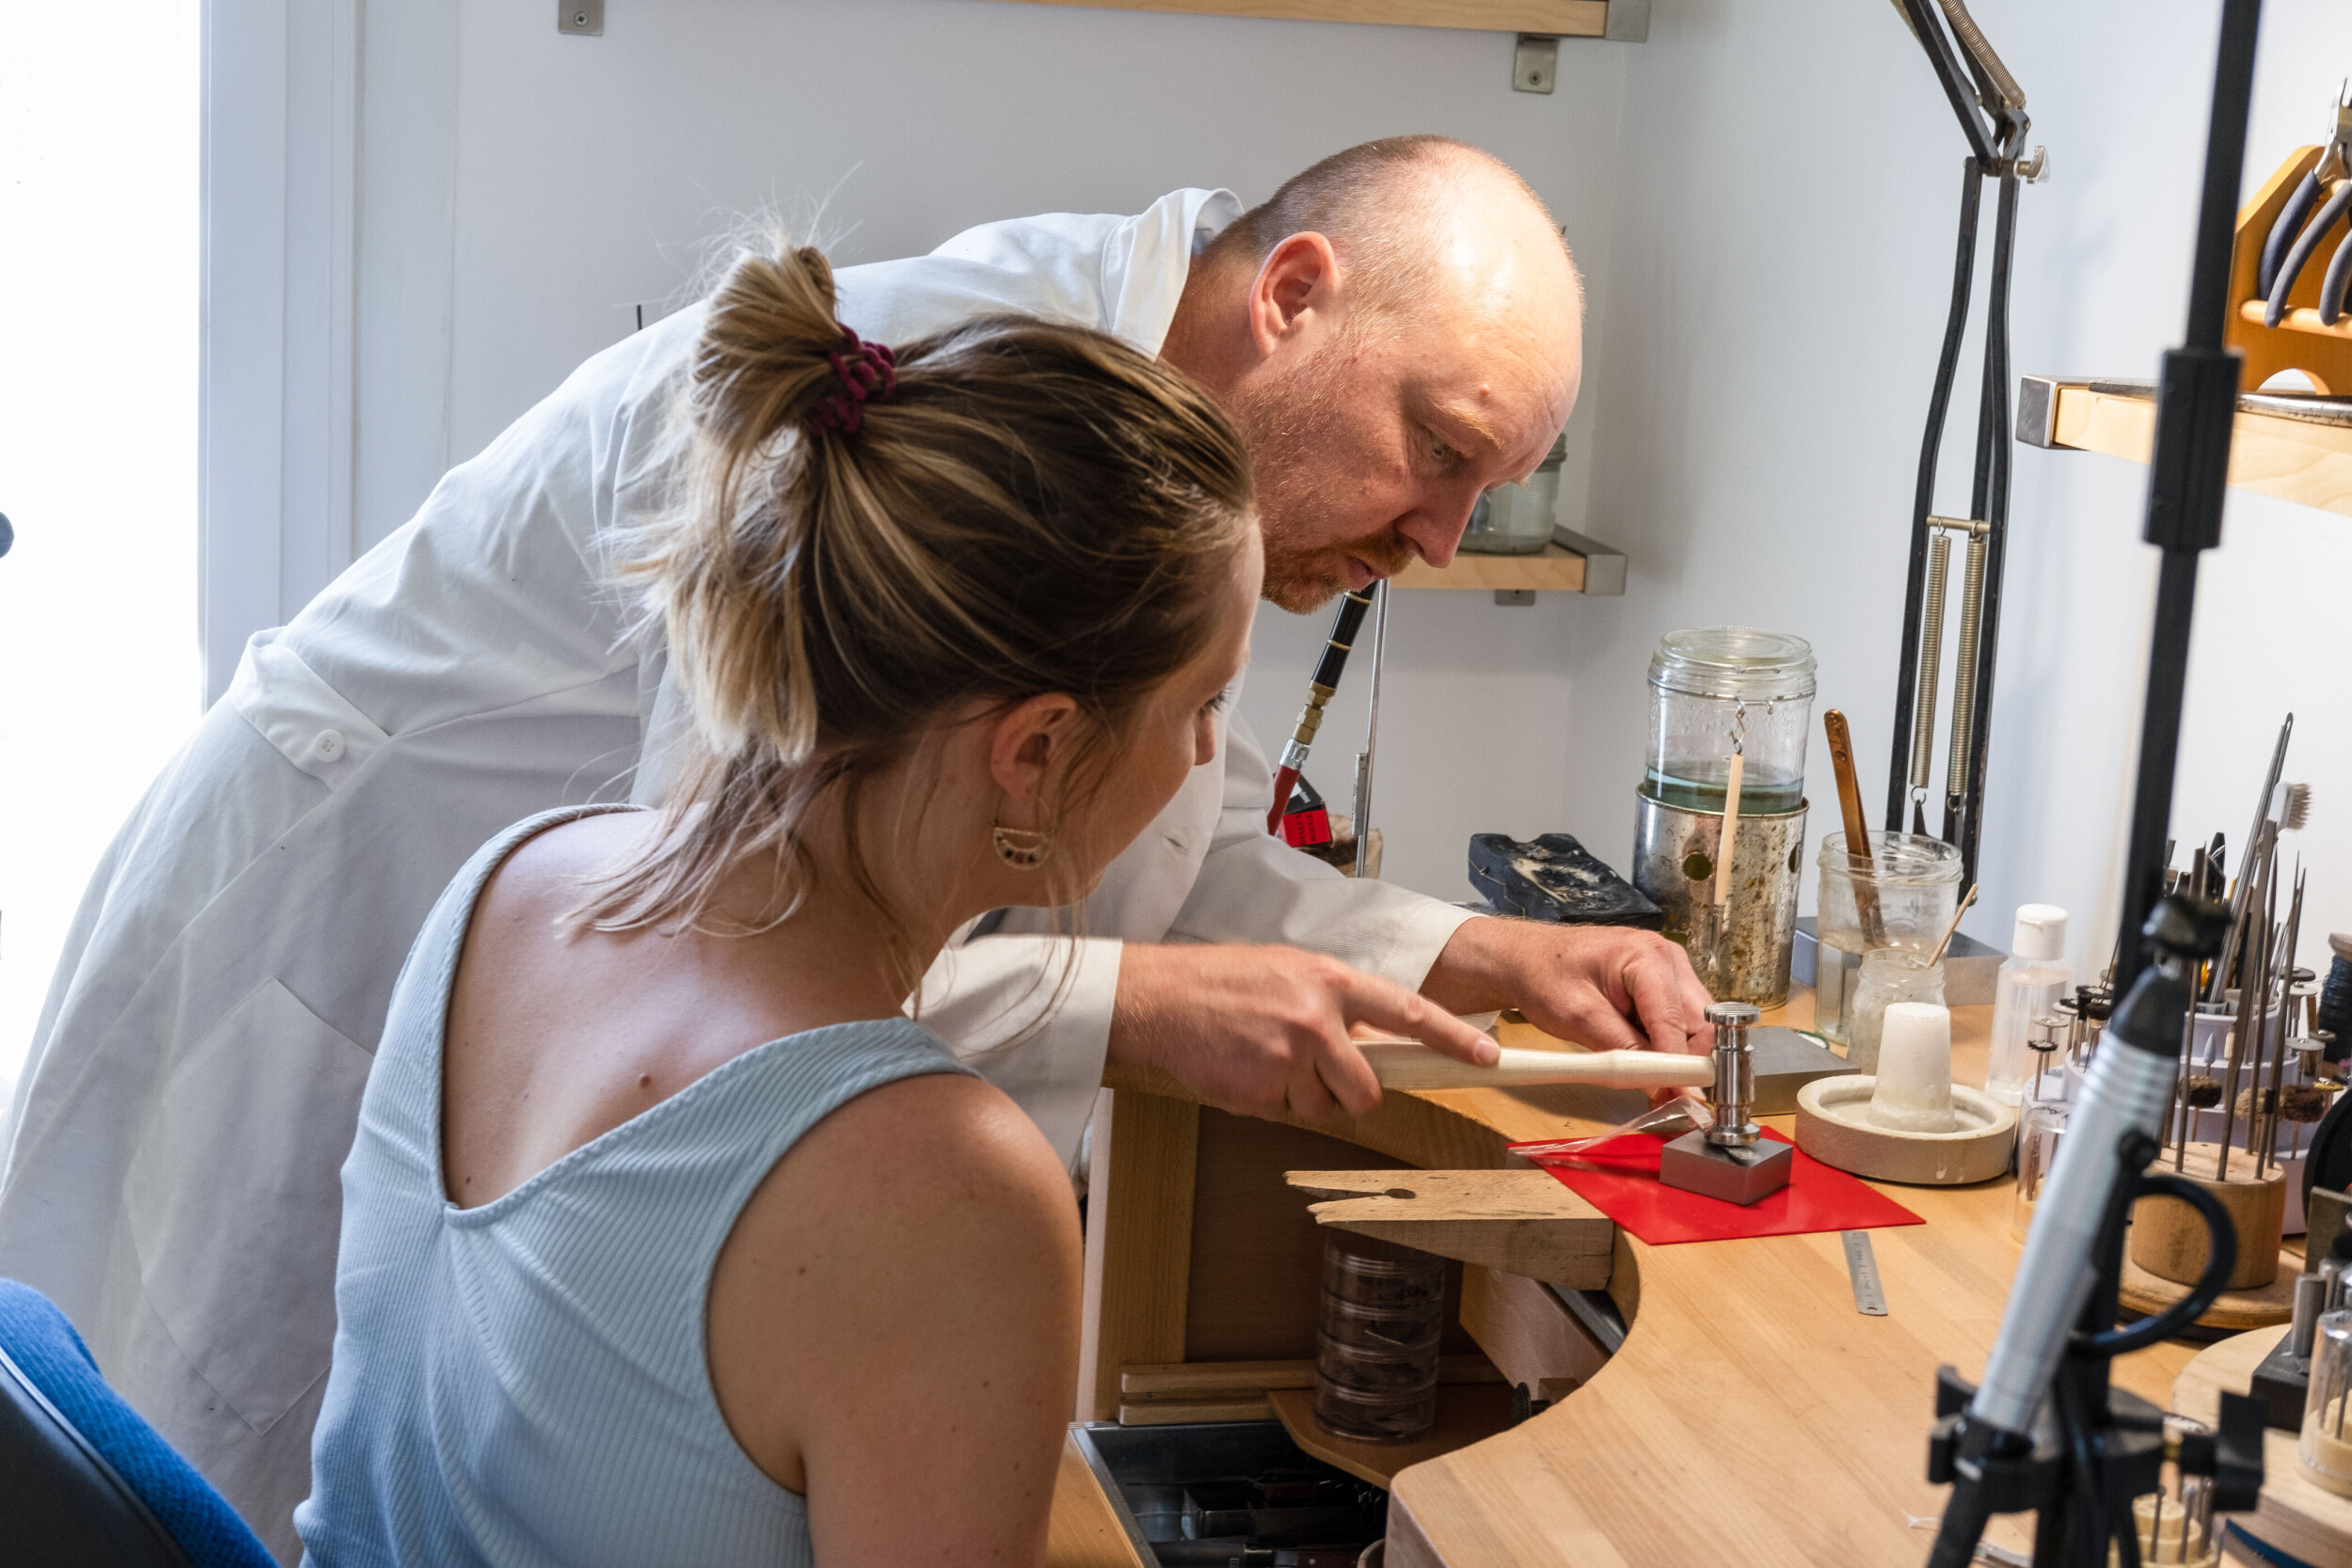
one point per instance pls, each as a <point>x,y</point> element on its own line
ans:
<point>1397,330</point>
<point>1394,332</point>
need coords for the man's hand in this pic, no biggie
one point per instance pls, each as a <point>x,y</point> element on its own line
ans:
<point>1606,987</point>
<point>1263,1031</point>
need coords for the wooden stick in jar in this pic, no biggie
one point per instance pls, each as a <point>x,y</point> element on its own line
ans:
<point>1730,837</point>
<point>1858,856</point>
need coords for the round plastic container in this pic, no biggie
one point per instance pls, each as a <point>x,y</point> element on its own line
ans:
<point>1375,1418</point>
<point>1368,1371</point>
<point>1725,689</point>
<point>1378,1273</point>
<point>1916,882</point>
<point>1404,1330</point>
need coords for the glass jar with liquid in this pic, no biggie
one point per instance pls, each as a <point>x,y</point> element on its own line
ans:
<point>1721,689</point>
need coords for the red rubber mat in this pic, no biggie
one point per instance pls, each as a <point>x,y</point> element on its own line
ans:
<point>1620,1178</point>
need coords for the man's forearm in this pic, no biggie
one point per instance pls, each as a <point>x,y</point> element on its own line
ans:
<point>1477,971</point>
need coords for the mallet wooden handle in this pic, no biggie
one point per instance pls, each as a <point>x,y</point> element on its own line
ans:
<point>1410,1065</point>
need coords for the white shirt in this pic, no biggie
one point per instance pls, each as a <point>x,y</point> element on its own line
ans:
<point>172,1174</point>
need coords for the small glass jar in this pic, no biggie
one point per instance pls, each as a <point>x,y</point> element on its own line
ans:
<point>1515,519</point>
<point>1722,689</point>
<point>1916,882</point>
<point>2039,1130</point>
<point>1887,976</point>
<point>2325,1447</point>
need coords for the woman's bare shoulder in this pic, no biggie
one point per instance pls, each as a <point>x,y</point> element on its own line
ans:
<point>920,1240</point>
<point>546,870</point>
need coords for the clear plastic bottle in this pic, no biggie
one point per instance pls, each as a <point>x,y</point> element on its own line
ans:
<point>2027,986</point>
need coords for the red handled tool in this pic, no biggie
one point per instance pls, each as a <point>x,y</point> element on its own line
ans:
<point>1319,691</point>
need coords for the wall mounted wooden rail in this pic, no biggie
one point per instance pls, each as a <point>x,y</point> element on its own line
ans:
<point>2299,460</point>
<point>1563,18</point>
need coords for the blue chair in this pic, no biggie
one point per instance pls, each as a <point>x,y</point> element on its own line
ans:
<point>84,1481</point>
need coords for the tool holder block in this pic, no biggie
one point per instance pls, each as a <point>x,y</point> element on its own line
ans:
<point>2298,342</point>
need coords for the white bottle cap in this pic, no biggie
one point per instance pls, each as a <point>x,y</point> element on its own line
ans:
<point>2040,932</point>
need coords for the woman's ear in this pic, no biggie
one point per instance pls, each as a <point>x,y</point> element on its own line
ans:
<point>1031,742</point>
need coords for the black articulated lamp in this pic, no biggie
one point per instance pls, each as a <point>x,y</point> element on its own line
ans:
<point>2045,1431</point>
<point>1992,111</point>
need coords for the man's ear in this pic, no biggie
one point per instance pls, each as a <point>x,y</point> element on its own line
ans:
<point>1299,281</point>
<point>1030,739</point>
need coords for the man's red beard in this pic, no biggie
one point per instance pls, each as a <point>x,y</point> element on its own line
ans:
<point>1286,423</point>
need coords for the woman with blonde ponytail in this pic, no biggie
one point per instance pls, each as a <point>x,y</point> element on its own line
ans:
<point>667,1237</point>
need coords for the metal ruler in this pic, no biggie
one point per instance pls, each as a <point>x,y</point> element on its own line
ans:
<point>1862,1269</point>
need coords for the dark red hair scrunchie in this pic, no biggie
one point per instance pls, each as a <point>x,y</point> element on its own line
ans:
<point>865,372</point>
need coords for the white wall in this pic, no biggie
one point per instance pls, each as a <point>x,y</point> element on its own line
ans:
<point>525,189</point>
<point>1763,197</point>
<point>1780,263</point>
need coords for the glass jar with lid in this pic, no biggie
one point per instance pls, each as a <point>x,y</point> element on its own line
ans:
<point>1715,693</point>
<point>1722,689</point>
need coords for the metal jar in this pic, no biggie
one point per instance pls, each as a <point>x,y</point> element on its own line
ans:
<point>1673,863</point>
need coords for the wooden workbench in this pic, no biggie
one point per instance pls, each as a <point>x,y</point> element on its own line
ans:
<point>1750,1402</point>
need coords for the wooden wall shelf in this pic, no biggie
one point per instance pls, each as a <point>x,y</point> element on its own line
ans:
<point>1563,18</point>
<point>2298,460</point>
<point>1557,570</point>
<point>1571,563</point>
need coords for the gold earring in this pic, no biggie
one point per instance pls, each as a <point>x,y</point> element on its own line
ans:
<point>1023,848</point>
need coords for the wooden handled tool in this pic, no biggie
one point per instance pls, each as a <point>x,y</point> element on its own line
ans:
<point>1410,1065</point>
<point>1952,928</point>
<point>1858,855</point>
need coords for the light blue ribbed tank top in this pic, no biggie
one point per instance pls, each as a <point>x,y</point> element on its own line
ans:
<point>525,1384</point>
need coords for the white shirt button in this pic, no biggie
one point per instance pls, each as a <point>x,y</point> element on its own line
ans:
<point>329,746</point>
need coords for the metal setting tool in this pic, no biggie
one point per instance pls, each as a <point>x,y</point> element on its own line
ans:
<point>1730,1159</point>
<point>1861,1271</point>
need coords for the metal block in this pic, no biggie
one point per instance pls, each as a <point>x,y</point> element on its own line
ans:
<point>1534,64</point>
<point>583,17</point>
<point>1787,1061</point>
<point>2037,409</point>
<point>1604,565</point>
<point>2325,1217</point>
<point>1515,596</point>
<point>1627,21</point>
<point>2284,1382</point>
<point>1742,1175</point>
<point>1969,966</point>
